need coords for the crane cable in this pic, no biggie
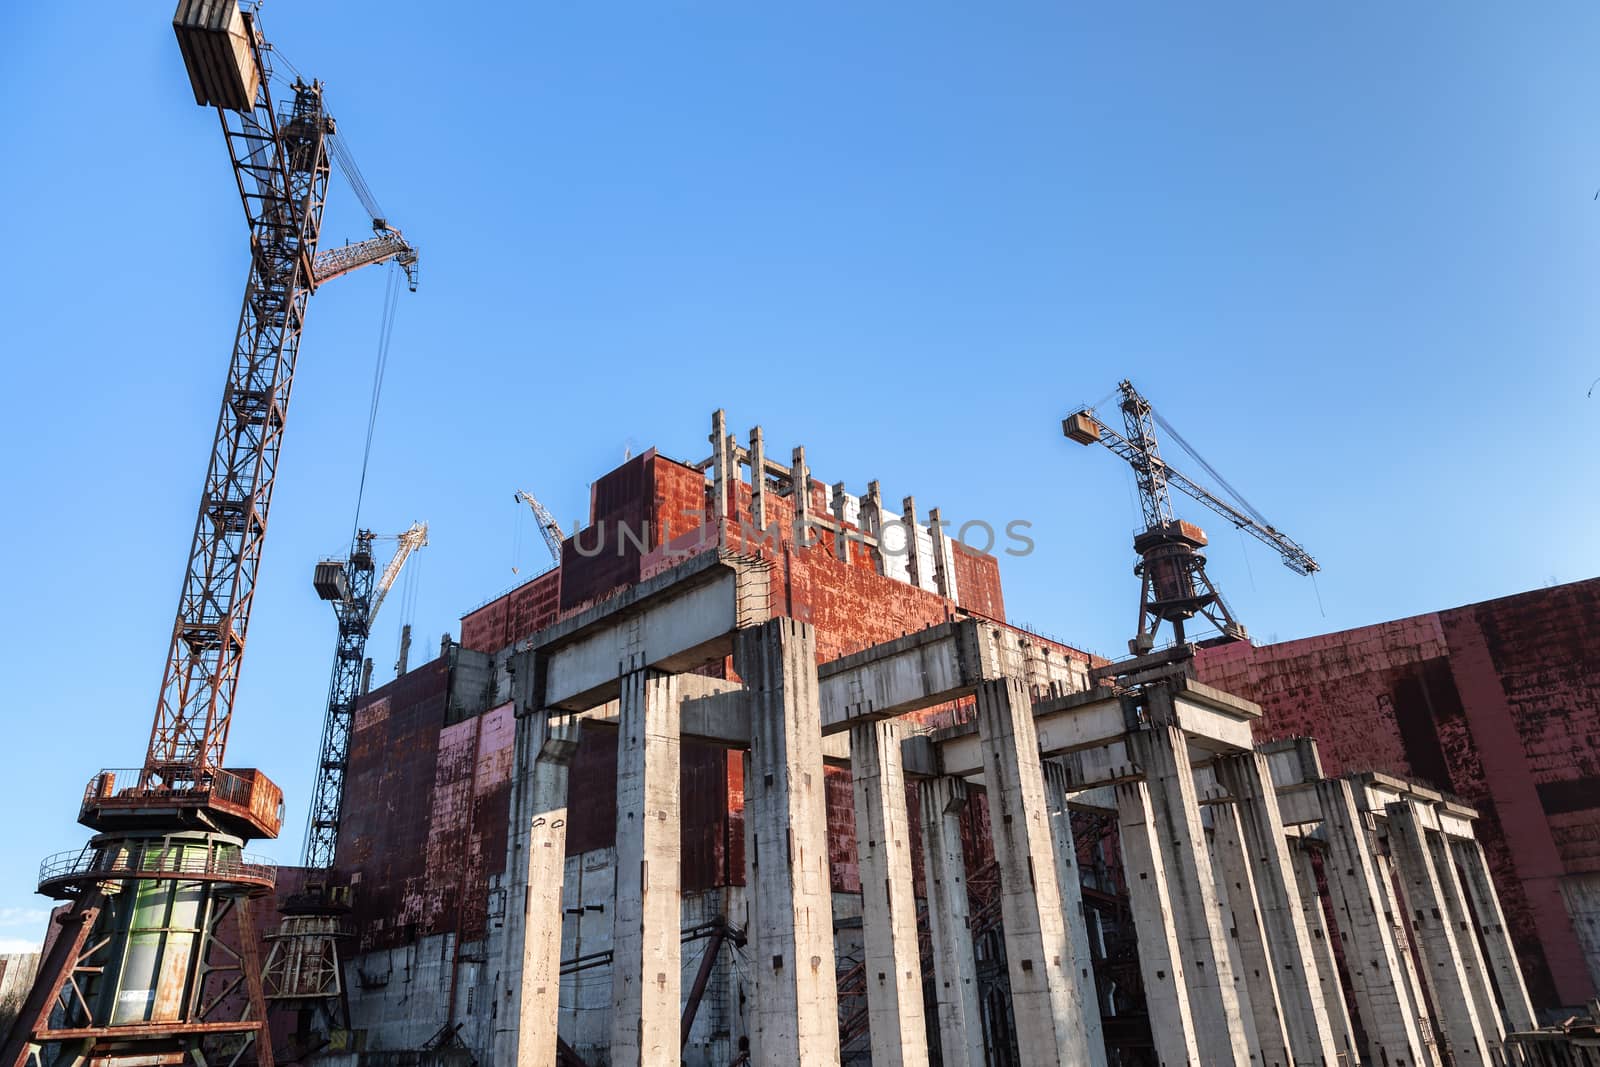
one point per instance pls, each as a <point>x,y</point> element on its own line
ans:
<point>391,301</point>
<point>1167,427</point>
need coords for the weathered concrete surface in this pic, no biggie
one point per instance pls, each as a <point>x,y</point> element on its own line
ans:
<point>646,969</point>
<point>791,926</point>
<point>1046,997</point>
<point>1378,965</point>
<point>1265,859</point>
<point>1502,953</point>
<point>1163,754</point>
<point>1070,880</point>
<point>888,901</point>
<point>949,916</point>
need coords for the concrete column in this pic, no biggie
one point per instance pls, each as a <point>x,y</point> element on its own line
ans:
<point>791,941</point>
<point>800,476</point>
<point>525,1033</point>
<point>1267,862</point>
<point>1254,981</point>
<point>1162,752</point>
<point>949,918</point>
<point>1330,990</point>
<point>1376,963</point>
<point>918,567</point>
<point>872,523</point>
<point>758,479</point>
<point>841,537</point>
<point>721,474</point>
<point>1071,882</point>
<point>1502,954</point>
<point>943,580</point>
<point>1046,996</point>
<point>646,975</point>
<point>1448,962</point>
<point>888,896</point>
<point>1160,961</point>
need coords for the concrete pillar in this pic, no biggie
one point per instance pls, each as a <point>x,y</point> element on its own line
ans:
<point>791,941</point>
<point>1046,997</point>
<point>1491,921</point>
<point>758,479</point>
<point>943,581</point>
<point>647,925</point>
<point>525,1033</point>
<point>804,533</point>
<point>841,537</point>
<point>888,897</point>
<point>1449,963</point>
<point>872,524</point>
<point>918,566</point>
<point>1162,752</point>
<point>1160,960</point>
<point>1249,956</point>
<point>721,474</point>
<point>1330,990</point>
<point>1071,882</point>
<point>949,922</point>
<point>1376,962</point>
<point>1267,862</point>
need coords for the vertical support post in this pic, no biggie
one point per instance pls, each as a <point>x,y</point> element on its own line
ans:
<point>1248,955</point>
<point>955,966</point>
<point>800,479</point>
<point>537,853</point>
<point>1046,997</point>
<point>841,539</point>
<point>646,978</point>
<point>1330,990</point>
<point>758,480</point>
<point>916,567</point>
<point>1070,880</point>
<point>1162,752</point>
<point>1376,962</point>
<point>888,897</point>
<point>1449,971</point>
<point>721,461</point>
<point>872,523</point>
<point>1502,954</point>
<point>797,999</point>
<point>1160,960</point>
<point>1264,855</point>
<point>943,581</point>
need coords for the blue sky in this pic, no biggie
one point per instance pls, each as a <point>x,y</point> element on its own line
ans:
<point>1349,250</point>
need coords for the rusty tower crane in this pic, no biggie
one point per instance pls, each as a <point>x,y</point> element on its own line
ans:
<point>549,528</point>
<point>155,962</point>
<point>1172,563</point>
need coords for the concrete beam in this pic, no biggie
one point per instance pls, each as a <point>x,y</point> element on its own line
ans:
<point>675,622</point>
<point>932,666</point>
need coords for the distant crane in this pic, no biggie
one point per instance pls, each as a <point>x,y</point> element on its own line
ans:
<point>1171,565</point>
<point>549,528</point>
<point>156,960</point>
<point>348,584</point>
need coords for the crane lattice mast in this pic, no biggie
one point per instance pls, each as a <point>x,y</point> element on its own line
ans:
<point>134,928</point>
<point>1171,564</point>
<point>356,598</point>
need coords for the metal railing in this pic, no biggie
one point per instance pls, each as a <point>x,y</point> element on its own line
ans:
<point>156,860</point>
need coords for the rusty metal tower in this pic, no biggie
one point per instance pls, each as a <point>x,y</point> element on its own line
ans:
<point>156,960</point>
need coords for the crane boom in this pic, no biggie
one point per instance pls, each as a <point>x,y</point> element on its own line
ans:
<point>356,598</point>
<point>549,528</point>
<point>414,538</point>
<point>389,244</point>
<point>1294,557</point>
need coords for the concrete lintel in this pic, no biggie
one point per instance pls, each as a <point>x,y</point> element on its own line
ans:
<point>1293,761</point>
<point>929,667</point>
<point>674,622</point>
<point>713,711</point>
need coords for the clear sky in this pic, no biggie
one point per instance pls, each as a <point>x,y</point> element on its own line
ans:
<point>1348,249</point>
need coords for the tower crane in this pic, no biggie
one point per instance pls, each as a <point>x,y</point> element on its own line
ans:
<point>158,942</point>
<point>549,528</point>
<point>356,598</point>
<point>1172,565</point>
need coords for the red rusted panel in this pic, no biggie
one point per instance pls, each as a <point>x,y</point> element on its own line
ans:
<point>978,582</point>
<point>843,865</point>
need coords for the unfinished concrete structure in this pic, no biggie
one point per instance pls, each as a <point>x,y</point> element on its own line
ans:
<point>775,777</point>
